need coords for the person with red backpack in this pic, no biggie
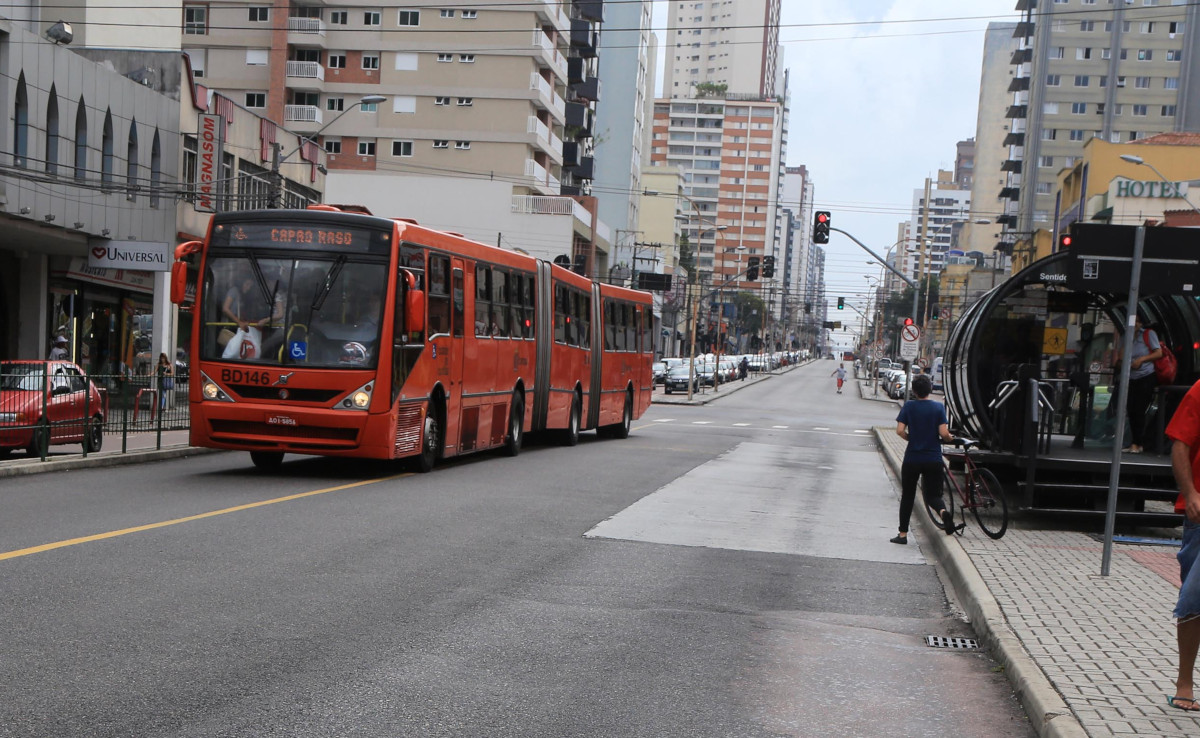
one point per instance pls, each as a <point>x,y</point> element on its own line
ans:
<point>1142,381</point>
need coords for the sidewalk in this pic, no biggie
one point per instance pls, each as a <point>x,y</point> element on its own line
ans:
<point>1087,655</point>
<point>139,447</point>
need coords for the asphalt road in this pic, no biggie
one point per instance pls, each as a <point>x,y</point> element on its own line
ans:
<point>724,571</point>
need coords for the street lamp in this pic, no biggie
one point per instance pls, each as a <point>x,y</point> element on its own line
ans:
<point>276,198</point>
<point>1139,160</point>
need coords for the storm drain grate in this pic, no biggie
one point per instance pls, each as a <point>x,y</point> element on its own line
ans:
<point>946,642</point>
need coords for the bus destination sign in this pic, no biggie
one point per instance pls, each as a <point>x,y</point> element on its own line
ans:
<point>299,235</point>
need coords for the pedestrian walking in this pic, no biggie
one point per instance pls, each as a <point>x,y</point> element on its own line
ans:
<point>1146,350</point>
<point>164,374</point>
<point>840,372</point>
<point>744,368</point>
<point>1184,430</point>
<point>922,422</point>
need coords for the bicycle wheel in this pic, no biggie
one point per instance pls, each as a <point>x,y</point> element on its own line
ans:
<point>948,494</point>
<point>987,503</point>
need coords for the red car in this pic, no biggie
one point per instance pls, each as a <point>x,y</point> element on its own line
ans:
<point>48,401</point>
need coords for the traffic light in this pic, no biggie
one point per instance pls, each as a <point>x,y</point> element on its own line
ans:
<point>752,270</point>
<point>821,227</point>
<point>841,303</point>
<point>909,321</point>
<point>768,268</point>
<point>1064,242</point>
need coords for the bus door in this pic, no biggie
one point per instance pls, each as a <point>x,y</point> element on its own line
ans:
<point>599,320</point>
<point>543,326</point>
<point>453,345</point>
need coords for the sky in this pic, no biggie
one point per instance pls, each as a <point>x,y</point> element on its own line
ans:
<point>881,91</point>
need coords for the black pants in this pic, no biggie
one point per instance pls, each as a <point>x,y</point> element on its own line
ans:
<point>1141,392</point>
<point>931,488</point>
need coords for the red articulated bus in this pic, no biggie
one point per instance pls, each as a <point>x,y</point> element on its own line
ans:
<point>330,331</point>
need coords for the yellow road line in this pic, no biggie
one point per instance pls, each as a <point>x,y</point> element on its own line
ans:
<point>151,526</point>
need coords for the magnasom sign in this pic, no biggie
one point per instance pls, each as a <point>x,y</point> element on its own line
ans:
<point>208,161</point>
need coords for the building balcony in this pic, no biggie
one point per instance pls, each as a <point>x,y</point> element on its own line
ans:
<point>1018,84</point>
<point>572,152</point>
<point>1014,139</point>
<point>576,70</point>
<point>584,38</point>
<point>539,205</point>
<point>306,32</point>
<point>304,75</point>
<point>547,97</point>
<point>302,114</point>
<point>546,138</point>
<point>550,55</point>
<point>1017,111</point>
<point>1010,193</point>
<point>551,12</point>
<point>592,10</point>
<point>1011,165</point>
<point>586,168</point>
<point>1024,29</point>
<point>1022,56</point>
<point>579,117</point>
<point>589,89</point>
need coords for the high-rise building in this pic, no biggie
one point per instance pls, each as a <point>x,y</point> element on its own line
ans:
<point>947,206</point>
<point>991,129</point>
<point>722,44</point>
<point>1117,71</point>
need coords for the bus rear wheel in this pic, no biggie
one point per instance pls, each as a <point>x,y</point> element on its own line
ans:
<point>516,426</point>
<point>570,435</point>
<point>431,441</point>
<point>267,460</point>
<point>620,430</point>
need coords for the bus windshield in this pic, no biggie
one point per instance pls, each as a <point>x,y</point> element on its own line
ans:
<point>322,311</point>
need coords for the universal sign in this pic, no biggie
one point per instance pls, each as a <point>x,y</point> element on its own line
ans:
<point>1131,188</point>
<point>146,256</point>
<point>209,134</point>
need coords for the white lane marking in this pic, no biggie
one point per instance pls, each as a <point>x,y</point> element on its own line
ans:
<point>664,420</point>
<point>780,427</point>
<point>701,422</point>
<point>740,425</point>
<point>862,431</point>
<point>817,427</point>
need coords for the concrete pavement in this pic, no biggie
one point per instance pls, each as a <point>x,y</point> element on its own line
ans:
<point>1088,655</point>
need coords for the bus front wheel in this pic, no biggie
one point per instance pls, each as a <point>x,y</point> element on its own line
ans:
<point>516,426</point>
<point>431,441</point>
<point>267,460</point>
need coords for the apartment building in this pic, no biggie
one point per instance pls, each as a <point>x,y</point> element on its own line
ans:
<point>731,153</point>
<point>730,44</point>
<point>1088,69</point>
<point>936,212</point>
<point>991,128</point>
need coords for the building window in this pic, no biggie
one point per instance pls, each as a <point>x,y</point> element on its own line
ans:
<point>470,14</point>
<point>1058,52</point>
<point>259,14</point>
<point>1170,83</point>
<point>333,145</point>
<point>368,107</point>
<point>131,161</point>
<point>462,145</point>
<point>256,57</point>
<point>339,17</point>
<point>371,18</point>
<point>256,99</point>
<point>1148,27</point>
<point>21,125</point>
<point>336,104</point>
<point>1105,53</point>
<point>81,141</point>
<point>1081,80</point>
<point>1168,111</point>
<point>441,144</point>
<point>1053,80</point>
<point>466,58</point>
<point>445,58</point>
<point>107,155</point>
<point>52,136</point>
<point>1078,108</point>
<point>1145,54</point>
<point>404,104</point>
<point>1083,52</point>
<point>447,12</point>
<point>441,101</point>
<point>195,20</point>
<point>406,62</point>
<point>337,61</point>
<point>1076,134</point>
<point>1175,27</point>
<point>1139,111</point>
<point>466,102</point>
<point>1174,55</point>
<point>366,148</point>
<point>1043,188</point>
<point>1050,108</point>
<point>402,148</point>
<point>1046,162</point>
<point>1142,83</point>
<point>1104,80</point>
<point>155,170</point>
<point>409,18</point>
<point>370,61</point>
<point>1087,25</point>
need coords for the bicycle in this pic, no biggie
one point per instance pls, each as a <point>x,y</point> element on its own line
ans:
<point>980,493</point>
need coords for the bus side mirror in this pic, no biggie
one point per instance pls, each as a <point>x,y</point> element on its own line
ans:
<point>414,305</point>
<point>179,270</point>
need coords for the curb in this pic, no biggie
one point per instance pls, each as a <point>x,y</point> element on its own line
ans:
<point>731,387</point>
<point>102,461</point>
<point>1047,711</point>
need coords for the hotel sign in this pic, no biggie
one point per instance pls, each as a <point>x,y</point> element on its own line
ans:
<point>209,134</point>
<point>1155,188</point>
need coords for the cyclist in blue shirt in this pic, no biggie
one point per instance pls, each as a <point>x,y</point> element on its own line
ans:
<point>922,422</point>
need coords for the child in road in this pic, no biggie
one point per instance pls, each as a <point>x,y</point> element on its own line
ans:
<point>841,375</point>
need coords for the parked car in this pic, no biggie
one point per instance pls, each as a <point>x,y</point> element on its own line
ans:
<point>677,380</point>
<point>658,370</point>
<point>936,374</point>
<point>898,388</point>
<point>882,366</point>
<point>48,402</point>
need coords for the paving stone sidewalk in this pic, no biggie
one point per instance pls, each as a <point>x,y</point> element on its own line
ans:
<point>1102,646</point>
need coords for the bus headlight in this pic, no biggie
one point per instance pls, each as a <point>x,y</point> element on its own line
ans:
<point>359,399</point>
<point>211,390</point>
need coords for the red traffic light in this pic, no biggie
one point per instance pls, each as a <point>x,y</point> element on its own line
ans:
<point>909,321</point>
<point>822,217</point>
<point>1065,240</point>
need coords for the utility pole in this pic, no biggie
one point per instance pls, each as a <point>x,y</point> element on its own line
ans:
<point>924,263</point>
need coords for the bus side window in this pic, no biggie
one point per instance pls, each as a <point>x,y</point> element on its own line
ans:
<point>609,335</point>
<point>439,295</point>
<point>560,314</point>
<point>630,329</point>
<point>583,324</point>
<point>483,301</point>
<point>500,303</point>
<point>528,305</point>
<point>458,297</point>
<point>516,294</point>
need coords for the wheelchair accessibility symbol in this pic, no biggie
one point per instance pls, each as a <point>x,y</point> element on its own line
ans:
<point>298,350</point>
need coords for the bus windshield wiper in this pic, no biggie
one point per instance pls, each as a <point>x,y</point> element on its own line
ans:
<point>327,285</point>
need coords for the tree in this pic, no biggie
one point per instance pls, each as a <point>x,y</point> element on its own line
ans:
<point>687,259</point>
<point>711,89</point>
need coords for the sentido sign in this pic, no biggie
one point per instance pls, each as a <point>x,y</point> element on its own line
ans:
<point>1102,259</point>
